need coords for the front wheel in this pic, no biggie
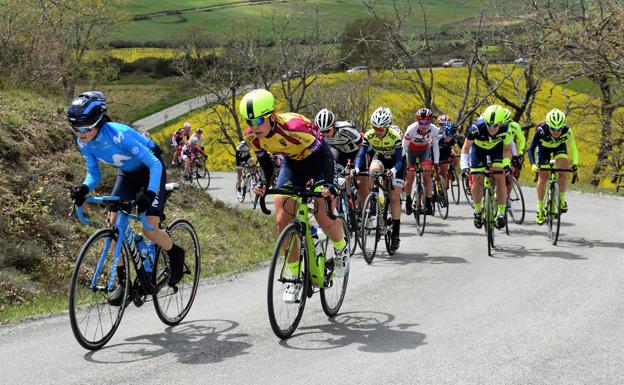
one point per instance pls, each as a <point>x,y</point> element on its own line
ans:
<point>515,205</point>
<point>442,198</point>
<point>553,215</point>
<point>172,304</point>
<point>93,318</point>
<point>332,295</point>
<point>420,213</point>
<point>202,175</point>
<point>454,184</point>
<point>489,221</point>
<point>369,227</point>
<point>288,282</point>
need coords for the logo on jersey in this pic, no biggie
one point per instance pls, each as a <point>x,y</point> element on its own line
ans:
<point>118,160</point>
<point>118,138</point>
<point>135,150</point>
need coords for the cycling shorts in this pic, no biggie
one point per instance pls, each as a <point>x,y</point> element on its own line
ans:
<point>242,159</point>
<point>297,173</point>
<point>344,158</point>
<point>478,156</point>
<point>544,154</point>
<point>424,157</point>
<point>387,165</point>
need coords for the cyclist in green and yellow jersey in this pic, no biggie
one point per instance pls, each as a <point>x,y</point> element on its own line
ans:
<point>552,139</point>
<point>488,136</point>
<point>518,145</point>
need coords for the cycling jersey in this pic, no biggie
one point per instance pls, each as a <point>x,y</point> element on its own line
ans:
<point>242,150</point>
<point>196,140</point>
<point>544,139</point>
<point>516,133</point>
<point>387,148</point>
<point>177,139</point>
<point>346,138</point>
<point>479,135</point>
<point>300,144</point>
<point>121,146</point>
<point>414,141</point>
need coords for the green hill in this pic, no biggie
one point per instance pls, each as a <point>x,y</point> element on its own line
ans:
<point>39,241</point>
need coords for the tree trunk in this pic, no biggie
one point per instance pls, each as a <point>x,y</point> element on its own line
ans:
<point>606,115</point>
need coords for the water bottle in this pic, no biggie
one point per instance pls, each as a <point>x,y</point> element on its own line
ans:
<point>143,252</point>
<point>382,198</point>
<point>318,236</point>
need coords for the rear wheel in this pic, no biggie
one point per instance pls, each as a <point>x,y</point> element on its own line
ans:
<point>202,176</point>
<point>442,198</point>
<point>285,316</point>
<point>172,304</point>
<point>369,227</point>
<point>515,205</point>
<point>489,221</point>
<point>332,295</point>
<point>554,213</point>
<point>93,319</point>
<point>454,184</point>
<point>467,191</point>
<point>388,232</point>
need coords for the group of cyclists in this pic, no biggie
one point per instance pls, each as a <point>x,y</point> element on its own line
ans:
<point>309,152</point>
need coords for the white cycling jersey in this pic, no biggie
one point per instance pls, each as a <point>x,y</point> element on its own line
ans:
<point>417,142</point>
<point>346,139</point>
<point>197,139</point>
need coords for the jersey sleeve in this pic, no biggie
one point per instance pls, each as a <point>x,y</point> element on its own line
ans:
<point>362,155</point>
<point>473,132</point>
<point>142,153</point>
<point>436,147</point>
<point>94,175</point>
<point>520,136</point>
<point>534,142</point>
<point>573,149</point>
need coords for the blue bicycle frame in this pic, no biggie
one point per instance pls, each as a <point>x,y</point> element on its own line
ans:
<point>121,225</point>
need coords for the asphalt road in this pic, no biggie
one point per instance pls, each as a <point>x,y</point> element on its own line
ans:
<point>438,312</point>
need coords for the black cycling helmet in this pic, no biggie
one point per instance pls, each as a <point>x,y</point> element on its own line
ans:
<point>87,110</point>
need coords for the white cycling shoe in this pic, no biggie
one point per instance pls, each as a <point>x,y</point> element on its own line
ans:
<point>292,294</point>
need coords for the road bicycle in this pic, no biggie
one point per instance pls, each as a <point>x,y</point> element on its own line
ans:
<point>419,198</point>
<point>349,205</point>
<point>198,172</point>
<point>453,180</point>
<point>312,269</point>
<point>552,200</point>
<point>93,316</point>
<point>440,196</point>
<point>489,207</point>
<point>376,217</point>
<point>466,184</point>
<point>249,179</point>
<point>515,204</point>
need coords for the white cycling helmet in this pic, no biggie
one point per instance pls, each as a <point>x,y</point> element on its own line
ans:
<point>442,119</point>
<point>324,119</point>
<point>187,126</point>
<point>382,117</point>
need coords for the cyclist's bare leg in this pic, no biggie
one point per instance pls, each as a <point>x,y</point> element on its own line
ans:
<point>395,202</point>
<point>158,236</point>
<point>542,180</point>
<point>563,176</point>
<point>284,206</point>
<point>362,188</point>
<point>409,181</point>
<point>477,188</point>
<point>501,187</point>
<point>427,181</point>
<point>444,172</point>
<point>239,174</point>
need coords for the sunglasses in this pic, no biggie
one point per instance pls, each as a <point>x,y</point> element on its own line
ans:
<point>493,125</point>
<point>379,128</point>
<point>256,121</point>
<point>423,123</point>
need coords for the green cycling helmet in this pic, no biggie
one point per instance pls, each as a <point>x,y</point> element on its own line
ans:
<point>555,119</point>
<point>494,115</point>
<point>257,103</point>
<point>507,115</point>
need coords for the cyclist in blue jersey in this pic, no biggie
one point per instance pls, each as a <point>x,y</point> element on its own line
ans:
<point>141,174</point>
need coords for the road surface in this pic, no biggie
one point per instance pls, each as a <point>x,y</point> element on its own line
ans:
<point>438,312</point>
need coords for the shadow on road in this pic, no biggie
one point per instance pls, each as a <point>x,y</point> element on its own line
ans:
<point>372,331</point>
<point>195,342</point>
<point>401,259</point>
<point>517,251</point>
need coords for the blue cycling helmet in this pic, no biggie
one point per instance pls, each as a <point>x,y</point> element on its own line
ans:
<point>87,110</point>
<point>450,128</point>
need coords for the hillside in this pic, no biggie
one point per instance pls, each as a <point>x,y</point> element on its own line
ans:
<point>39,241</point>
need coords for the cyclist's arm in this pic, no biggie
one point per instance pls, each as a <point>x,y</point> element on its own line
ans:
<point>507,149</point>
<point>436,149</point>
<point>573,148</point>
<point>398,157</point>
<point>361,156</point>
<point>94,175</point>
<point>265,162</point>
<point>521,139</point>
<point>533,146</point>
<point>328,163</point>
<point>464,163</point>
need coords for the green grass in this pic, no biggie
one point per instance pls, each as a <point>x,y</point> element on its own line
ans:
<point>584,85</point>
<point>441,15</point>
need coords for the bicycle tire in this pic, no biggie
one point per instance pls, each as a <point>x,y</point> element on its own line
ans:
<point>420,213</point>
<point>489,228</point>
<point>388,232</point>
<point>290,232</point>
<point>81,275</point>
<point>202,175</point>
<point>454,185</point>
<point>442,198</point>
<point>332,295</point>
<point>183,294</point>
<point>555,214</point>
<point>365,231</point>
<point>467,191</point>
<point>517,200</point>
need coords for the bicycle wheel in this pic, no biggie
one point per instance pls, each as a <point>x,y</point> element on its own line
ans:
<point>420,214</point>
<point>369,227</point>
<point>467,191</point>
<point>554,214</point>
<point>454,185</point>
<point>172,304</point>
<point>354,221</point>
<point>442,198</point>
<point>388,234</point>
<point>202,175</point>
<point>335,288</point>
<point>93,319</point>
<point>515,205</point>
<point>489,224</point>
<point>285,316</point>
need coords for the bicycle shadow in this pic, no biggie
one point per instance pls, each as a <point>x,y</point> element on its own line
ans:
<point>573,241</point>
<point>518,251</point>
<point>193,342</point>
<point>402,259</point>
<point>372,330</point>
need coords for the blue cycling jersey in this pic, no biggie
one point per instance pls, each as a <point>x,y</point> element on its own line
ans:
<point>121,146</point>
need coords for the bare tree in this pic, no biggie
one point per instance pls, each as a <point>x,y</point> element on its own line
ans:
<point>585,38</point>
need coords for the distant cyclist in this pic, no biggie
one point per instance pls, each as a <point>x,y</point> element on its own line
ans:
<point>141,173</point>
<point>447,139</point>
<point>243,156</point>
<point>421,142</point>
<point>193,148</point>
<point>178,140</point>
<point>551,141</point>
